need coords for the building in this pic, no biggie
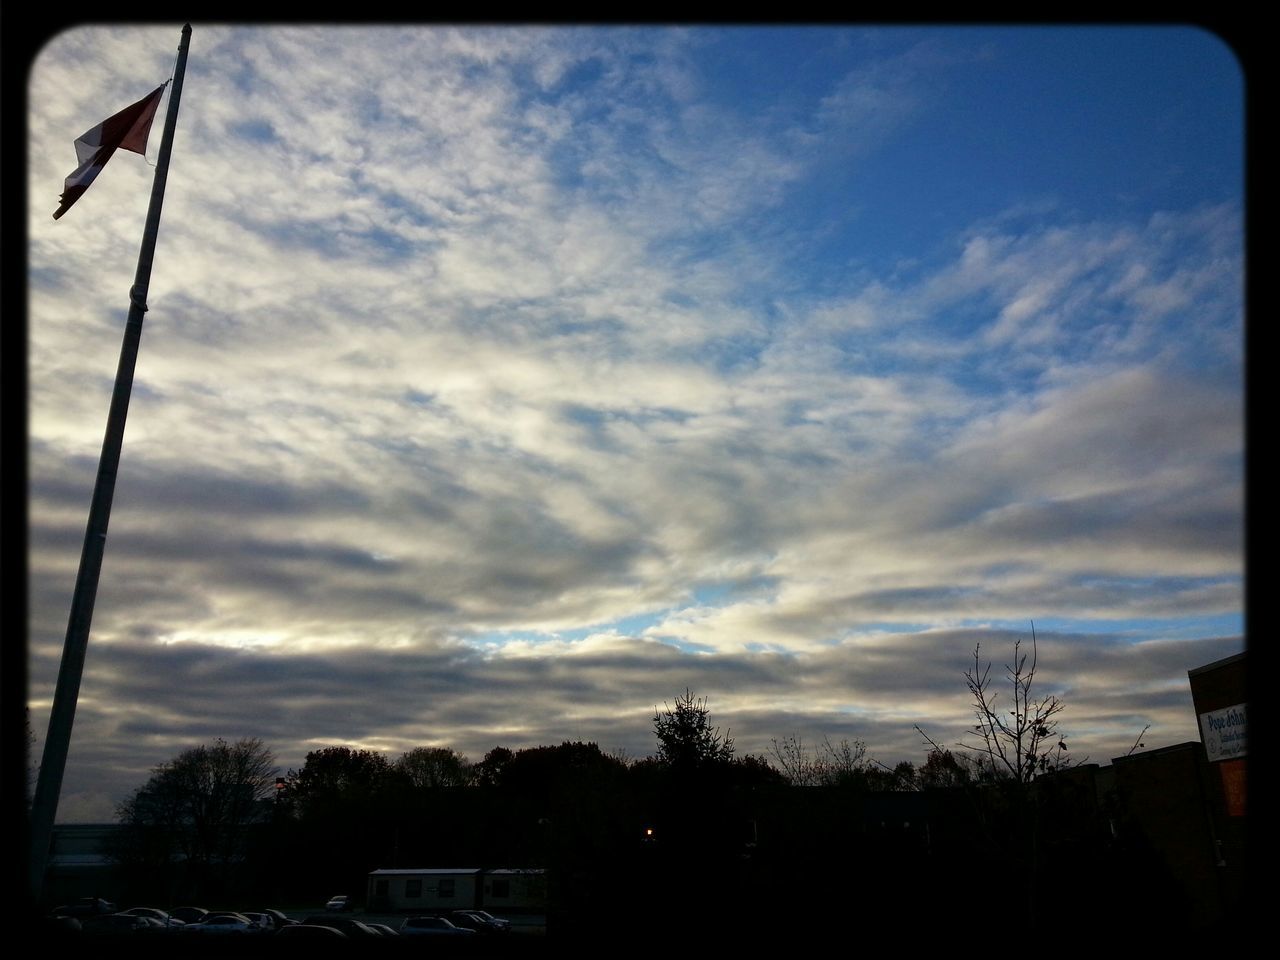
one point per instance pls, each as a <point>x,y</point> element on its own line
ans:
<point>79,864</point>
<point>440,889</point>
<point>1219,691</point>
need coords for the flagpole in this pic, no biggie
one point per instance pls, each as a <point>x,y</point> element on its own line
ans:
<point>54,759</point>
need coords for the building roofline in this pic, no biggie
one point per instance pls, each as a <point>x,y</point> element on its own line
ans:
<point>1225,661</point>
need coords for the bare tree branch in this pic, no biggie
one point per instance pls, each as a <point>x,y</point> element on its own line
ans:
<point>1024,742</point>
<point>1138,741</point>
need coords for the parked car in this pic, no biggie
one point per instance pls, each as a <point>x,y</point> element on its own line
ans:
<point>279,918</point>
<point>383,929</point>
<point>223,923</point>
<point>311,931</point>
<point>480,921</point>
<point>85,907</point>
<point>265,923</point>
<point>467,922</point>
<point>340,903</point>
<point>120,924</point>
<point>167,919</point>
<point>189,914</point>
<point>432,927</point>
<point>352,927</point>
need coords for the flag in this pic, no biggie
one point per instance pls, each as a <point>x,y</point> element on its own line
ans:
<point>126,130</point>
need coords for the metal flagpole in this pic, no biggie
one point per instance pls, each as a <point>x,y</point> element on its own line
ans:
<point>54,759</point>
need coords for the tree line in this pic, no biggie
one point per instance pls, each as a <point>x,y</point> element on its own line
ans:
<point>694,826</point>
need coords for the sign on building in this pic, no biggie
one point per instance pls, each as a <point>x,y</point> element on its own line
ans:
<point>1223,733</point>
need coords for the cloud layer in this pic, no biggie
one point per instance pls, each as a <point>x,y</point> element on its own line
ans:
<point>500,384</point>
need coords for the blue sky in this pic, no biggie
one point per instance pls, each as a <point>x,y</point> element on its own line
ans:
<point>499,384</point>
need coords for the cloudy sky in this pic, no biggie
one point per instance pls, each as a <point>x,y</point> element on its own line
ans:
<point>499,384</point>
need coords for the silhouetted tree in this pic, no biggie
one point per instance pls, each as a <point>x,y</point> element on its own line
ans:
<point>1009,746</point>
<point>795,762</point>
<point>488,772</point>
<point>943,770</point>
<point>686,739</point>
<point>433,768</point>
<point>831,764</point>
<point>845,763</point>
<point>342,802</point>
<point>898,778</point>
<point>335,778</point>
<point>428,803</point>
<point>568,808</point>
<point>197,809</point>
<point>1022,742</point>
<point>750,770</point>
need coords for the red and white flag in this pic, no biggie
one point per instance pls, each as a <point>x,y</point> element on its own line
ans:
<point>126,130</point>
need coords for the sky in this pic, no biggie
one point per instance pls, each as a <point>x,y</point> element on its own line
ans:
<point>500,384</point>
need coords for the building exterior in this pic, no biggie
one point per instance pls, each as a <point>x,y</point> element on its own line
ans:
<point>79,865</point>
<point>1219,691</point>
<point>1219,694</point>
<point>1179,812</point>
<point>514,891</point>
<point>437,889</point>
<point>1166,829</point>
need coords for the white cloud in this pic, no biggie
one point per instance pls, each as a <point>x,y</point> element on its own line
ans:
<point>485,338</point>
